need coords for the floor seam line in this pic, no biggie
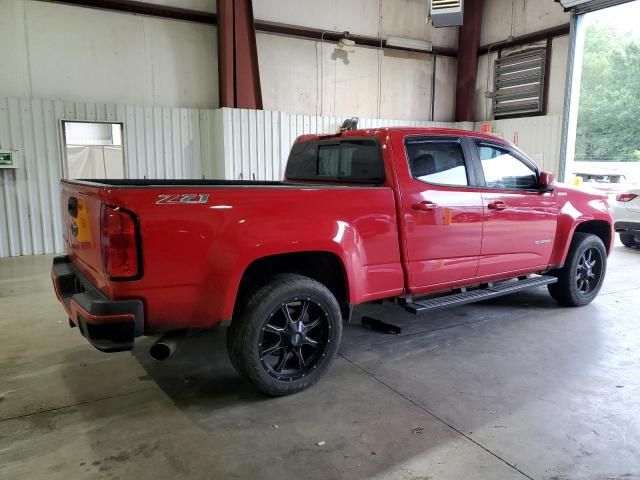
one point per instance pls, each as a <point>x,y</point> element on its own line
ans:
<point>619,291</point>
<point>39,412</point>
<point>441,420</point>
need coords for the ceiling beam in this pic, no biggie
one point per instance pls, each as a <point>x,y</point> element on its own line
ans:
<point>144,8</point>
<point>532,37</point>
<point>335,36</point>
<point>176,13</point>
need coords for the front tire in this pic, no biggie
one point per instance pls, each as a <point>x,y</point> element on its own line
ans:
<point>580,280</point>
<point>287,335</point>
<point>628,240</point>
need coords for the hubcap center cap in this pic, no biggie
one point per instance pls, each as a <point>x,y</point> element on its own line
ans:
<point>296,339</point>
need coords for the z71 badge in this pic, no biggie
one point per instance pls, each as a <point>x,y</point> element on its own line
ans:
<point>182,198</point>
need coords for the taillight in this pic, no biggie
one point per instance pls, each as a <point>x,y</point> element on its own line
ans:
<point>120,254</point>
<point>626,197</point>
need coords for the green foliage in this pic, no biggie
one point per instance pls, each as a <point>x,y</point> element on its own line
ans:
<point>608,126</point>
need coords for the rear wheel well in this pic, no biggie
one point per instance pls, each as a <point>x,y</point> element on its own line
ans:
<point>323,267</point>
<point>599,228</point>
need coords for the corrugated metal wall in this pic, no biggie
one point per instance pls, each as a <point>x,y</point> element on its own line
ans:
<point>256,143</point>
<point>159,143</point>
<point>539,137</point>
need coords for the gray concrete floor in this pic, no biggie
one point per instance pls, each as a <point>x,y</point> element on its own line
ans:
<point>513,388</point>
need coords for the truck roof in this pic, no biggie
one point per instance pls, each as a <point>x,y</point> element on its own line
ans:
<point>435,131</point>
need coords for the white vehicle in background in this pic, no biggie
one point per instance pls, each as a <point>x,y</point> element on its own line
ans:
<point>608,182</point>
<point>626,214</point>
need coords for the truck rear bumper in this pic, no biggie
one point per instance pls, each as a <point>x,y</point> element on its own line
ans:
<point>109,325</point>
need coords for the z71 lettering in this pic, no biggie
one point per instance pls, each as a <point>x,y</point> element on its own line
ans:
<point>182,199</point>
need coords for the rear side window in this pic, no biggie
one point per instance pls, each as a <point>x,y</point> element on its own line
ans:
<point>352,160</point>
<point>437,161</point>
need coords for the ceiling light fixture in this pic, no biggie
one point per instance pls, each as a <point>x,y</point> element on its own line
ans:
<point>409,43</point>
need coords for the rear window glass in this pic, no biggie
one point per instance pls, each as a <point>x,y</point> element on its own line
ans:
<point>357,161</point>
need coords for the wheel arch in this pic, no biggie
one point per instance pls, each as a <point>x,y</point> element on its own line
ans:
<point>324,267</point>
<point>600,228</point>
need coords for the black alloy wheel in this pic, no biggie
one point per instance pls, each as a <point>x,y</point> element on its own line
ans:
<point>589,271</point>
<point>285,335</point>
<point>294,338</point>
<point>582,275</point>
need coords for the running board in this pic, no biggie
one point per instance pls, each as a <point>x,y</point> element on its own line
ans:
<point>485,293</point>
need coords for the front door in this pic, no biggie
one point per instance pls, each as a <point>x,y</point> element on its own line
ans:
<point>442,212</point>
<point>519,220</point>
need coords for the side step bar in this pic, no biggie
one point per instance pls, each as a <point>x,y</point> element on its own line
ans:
<point>491,291</point>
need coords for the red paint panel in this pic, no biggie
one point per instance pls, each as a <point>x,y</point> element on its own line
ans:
<point>521,234</point>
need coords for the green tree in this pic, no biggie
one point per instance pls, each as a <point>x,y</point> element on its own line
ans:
<point>608,126</point>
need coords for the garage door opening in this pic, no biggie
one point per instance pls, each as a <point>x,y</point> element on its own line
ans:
<point>93,150</point>
<point>603,147</point>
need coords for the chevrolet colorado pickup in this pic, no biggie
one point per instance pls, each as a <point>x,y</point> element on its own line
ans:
<point>428,218</point>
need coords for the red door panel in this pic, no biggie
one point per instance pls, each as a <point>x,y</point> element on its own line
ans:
<point>443,241</point>
<point>519,228</point>
<point>519,220</point>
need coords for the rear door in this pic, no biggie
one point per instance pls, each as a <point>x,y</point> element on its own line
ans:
<point>442,211</point>
<point>519,220</point>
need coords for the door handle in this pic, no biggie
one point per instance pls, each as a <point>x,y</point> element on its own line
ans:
<point>425,206</point>
<point>497,205</point>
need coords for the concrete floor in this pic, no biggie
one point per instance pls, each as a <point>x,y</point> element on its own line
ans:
<point>513,388</point>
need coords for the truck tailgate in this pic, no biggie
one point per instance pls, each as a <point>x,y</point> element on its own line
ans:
<point>81,210</point>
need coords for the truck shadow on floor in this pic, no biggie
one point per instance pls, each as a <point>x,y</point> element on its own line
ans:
<point>200,373</point>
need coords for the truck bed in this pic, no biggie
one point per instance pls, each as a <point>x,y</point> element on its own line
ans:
<point>197,237</point>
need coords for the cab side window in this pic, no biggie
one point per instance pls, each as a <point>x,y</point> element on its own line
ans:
<point>438,162</point>
<point>504,171</point>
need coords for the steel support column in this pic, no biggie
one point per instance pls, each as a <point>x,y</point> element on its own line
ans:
<point>468,44</point>
<point>238,72</point>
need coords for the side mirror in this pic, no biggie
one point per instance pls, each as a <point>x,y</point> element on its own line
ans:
<point>546,181</point>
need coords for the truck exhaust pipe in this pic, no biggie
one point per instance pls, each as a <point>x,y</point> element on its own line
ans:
<point>166,345</point>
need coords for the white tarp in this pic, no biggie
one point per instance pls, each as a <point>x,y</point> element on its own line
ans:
<point>94,161</point>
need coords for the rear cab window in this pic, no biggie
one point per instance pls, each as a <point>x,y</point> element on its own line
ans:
<point>340,161</point>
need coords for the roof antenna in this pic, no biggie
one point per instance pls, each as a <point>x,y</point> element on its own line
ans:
<point>349,124</point>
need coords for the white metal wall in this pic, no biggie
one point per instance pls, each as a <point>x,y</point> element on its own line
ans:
<point>538,137</point>
<point>256,143</point>
<point>159,143</point>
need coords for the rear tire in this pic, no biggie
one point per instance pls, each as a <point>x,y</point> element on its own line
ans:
<point>628,240</point>
<point>580,280</point>
<point>287,335</point>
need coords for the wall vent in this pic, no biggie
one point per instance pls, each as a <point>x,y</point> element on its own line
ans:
<point>446,13</point>
<point>519,84</point>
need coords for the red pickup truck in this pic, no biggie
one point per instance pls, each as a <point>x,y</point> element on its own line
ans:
<point>428,218</point>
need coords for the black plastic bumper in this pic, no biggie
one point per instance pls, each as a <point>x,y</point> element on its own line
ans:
<point>627,227</point>
<point>109,325</point>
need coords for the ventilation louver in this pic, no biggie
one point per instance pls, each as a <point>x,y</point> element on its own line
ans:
<point>519,84</point>
<point>446,13</point>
